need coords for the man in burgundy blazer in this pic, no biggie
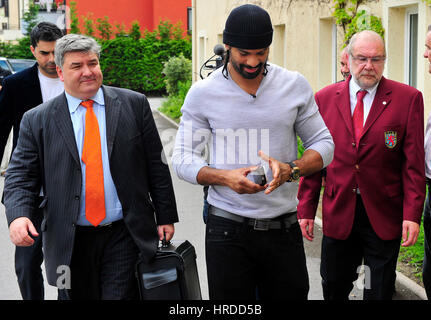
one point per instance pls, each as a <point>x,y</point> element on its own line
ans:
<point>375,187</point>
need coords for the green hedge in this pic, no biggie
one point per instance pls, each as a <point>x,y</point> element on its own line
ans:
<point>21,50</point>
<point>129,61</point>
<point>138,64</point>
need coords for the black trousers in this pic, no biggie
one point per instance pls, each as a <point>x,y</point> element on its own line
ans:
<point>241,260</point>
<point>103,264</point>
<point>28,269</point>
<point>342,258</point>
<point>426,272</point>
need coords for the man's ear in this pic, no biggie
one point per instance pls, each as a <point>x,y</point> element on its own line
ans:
<point>32,49</point>
<point>60,73</point>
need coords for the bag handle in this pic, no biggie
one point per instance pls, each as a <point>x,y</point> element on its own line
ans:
<point>165,243</point>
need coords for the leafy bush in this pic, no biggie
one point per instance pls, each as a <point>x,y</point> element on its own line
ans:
<point>301,148</point>
<point>177,70</point>
<point>21,50</point>
<point>138,64</point>
<point>129,60</point>
<point>172,106</point>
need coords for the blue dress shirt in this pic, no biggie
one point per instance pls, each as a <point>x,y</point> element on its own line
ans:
<point>113,207</point>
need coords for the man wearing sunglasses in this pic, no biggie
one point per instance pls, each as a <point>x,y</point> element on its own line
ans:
<point>375,186</point>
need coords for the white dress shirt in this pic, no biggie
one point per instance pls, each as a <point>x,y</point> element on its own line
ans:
<point>368,99</point>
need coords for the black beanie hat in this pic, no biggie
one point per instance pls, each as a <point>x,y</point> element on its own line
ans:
<point>248,27</point>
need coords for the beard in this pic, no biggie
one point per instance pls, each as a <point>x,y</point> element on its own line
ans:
<point>48,68</point>
<point>247,75</point>
<point>367,81</point>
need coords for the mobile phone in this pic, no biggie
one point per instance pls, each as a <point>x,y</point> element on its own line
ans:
<point>258,176</point>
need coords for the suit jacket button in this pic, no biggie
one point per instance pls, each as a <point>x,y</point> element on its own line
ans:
<point>354,190</point>
<point>76,197</point>
<point>357,166</point>
<point>353,144</point>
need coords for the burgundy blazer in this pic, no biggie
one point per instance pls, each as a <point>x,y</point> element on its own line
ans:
<point>387,166</point>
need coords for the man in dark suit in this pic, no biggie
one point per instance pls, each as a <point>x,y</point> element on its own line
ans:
<point>97,155</point>
<point>23,91</point>
<point>375,185</point>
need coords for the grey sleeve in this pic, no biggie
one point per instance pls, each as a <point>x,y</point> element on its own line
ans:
<point>311,128</point>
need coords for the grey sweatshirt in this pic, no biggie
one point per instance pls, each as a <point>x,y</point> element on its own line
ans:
<point>235,126</point>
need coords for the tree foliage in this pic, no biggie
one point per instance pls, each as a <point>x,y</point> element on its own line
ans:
<point>30,17</point>
<point>74,21</point>
<point>176,69</point>
<point>352,20</point>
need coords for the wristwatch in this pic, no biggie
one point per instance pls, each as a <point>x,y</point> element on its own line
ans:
<point>294,174</point>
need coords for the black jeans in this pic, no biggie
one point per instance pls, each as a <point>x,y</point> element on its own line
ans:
<point>426,273</point>
<point>341,258</point>
<point>241,260</point>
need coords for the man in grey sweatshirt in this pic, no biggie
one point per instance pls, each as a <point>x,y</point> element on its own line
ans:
<point>250,114</point>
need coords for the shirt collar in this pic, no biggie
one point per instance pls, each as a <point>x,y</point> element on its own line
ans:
<point>73,102</point>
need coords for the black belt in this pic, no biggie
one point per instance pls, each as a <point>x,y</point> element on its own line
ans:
<point>283,221</point>
<point>101,226</point>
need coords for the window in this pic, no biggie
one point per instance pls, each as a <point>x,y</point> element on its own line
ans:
<point>328,55</point>
<point>335,55</point>
<point>189,20</point>
<point>279,52</point>
<point>411,62</point>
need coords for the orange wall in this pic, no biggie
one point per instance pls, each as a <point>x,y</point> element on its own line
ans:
<point>172,10</point>
<point>146,12</point>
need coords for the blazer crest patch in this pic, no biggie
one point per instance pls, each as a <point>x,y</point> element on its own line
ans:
<point>390,139</point>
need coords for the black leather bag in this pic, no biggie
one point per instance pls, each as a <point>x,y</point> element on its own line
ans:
<point>171,275</point>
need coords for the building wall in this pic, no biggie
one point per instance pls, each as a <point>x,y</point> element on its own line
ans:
<point>14,15</point>
<point>307,40</point>
<point>13,20</point>
<point>173,10</point>
<point>147,12</point>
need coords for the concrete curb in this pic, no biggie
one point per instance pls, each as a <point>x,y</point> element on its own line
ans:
<point>166,118</point>
<point>401,278</point>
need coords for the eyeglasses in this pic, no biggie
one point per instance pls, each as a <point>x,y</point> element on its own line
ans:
<point>374,60</point>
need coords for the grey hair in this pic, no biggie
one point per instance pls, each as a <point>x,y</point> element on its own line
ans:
<point>357,35</point>
<point>74,43</point>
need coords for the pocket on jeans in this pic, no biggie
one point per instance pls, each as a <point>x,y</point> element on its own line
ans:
<point>220,229</point>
